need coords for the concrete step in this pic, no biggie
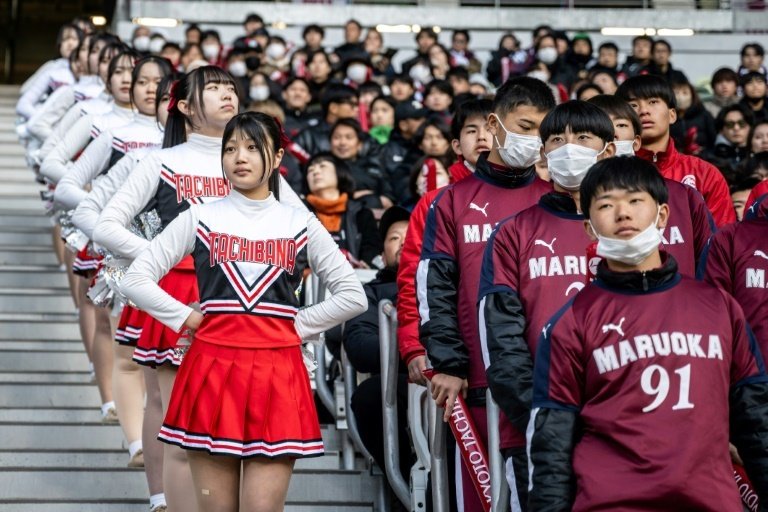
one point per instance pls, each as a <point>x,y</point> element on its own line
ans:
<point>17,219</point>
<point>44,395</point>
<point>43,362</point>
<point>41,346</point>
<point>64,329</point>
<point>27,203</point>
<point>28,255</point>
<point>52,378</point>
<point>54,301</point>
<point>41,277</point>
<point>39,236</point>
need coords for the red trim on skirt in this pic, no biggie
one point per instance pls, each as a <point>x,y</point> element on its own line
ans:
<point>130,326</point>
<point>243,402</point>
<point>157,343</point>
<point>85,264</point>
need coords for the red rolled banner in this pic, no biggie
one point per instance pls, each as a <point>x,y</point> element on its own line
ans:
<point>471,446</point>
<point>746,491</point>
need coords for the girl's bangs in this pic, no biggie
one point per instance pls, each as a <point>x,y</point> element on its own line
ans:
<point>214,74</point>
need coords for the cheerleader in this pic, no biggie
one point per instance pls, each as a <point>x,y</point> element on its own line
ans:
<point>54,75</point>
<point>242,404</point>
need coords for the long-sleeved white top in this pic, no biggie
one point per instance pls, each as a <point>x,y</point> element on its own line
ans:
<point>56,106</point>
<point>53,78</point>
<point>87,213</point>
<point>143,132</point>
<point>45,68</point>
<point>59,160</point>
<point>100,105</point>
<point>200,156</point>
<point>250,219</point>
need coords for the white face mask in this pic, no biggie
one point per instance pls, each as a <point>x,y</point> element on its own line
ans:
<point>624,147</point>
<point>519,151</point>
<point>141,43</point>
<point>211,51</point>
<point>275,51</point>
<point>259,92</point>
<point>420,73</point>
<point>156,45</point>
<point>569,164</point>
<point>357,73</point>
<point>633,251</point>
<point>238,68</point>
<point>539,74</point>
<point>547,55</point>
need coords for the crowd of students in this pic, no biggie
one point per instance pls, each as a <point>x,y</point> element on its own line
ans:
<point>552,232</point>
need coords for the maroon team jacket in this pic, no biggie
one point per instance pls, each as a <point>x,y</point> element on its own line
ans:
<point>737,261</point>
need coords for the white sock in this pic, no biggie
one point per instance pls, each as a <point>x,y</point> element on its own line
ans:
<point>106,407</point>
<point>90,367</point>
<point>156,500</point>
<point>134,447</point>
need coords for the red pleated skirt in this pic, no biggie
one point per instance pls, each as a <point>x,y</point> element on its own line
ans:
<point>244,403</point>
<point>85,264</point>
<point>157,343</point>
<point>130,326</point>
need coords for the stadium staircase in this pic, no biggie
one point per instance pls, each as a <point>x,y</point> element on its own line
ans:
<point>55,455</point>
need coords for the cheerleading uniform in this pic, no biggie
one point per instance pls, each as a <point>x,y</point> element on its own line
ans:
<point>243,389</point>
<point>53,78</point>
<point>168,180</point>
<point>41,124</point>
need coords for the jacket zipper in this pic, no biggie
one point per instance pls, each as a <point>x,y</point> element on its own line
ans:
<point>645,281</point>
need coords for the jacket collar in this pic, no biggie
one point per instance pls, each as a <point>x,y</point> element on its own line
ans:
<point>503,176</point>
<point>647,281</point>
<point>662,159</point>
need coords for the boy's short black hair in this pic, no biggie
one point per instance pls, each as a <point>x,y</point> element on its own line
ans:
<point>759,50</point>
<point>426,31</point>
<point>619,109</point>
<point>253,18</point>
<point>313,27</point>
<point>724,75</point>
<point>461,31</point>
<point>752,75</point>
<point>745,183</point>
<point>580,117</point>
<point>523,90</point>
<point>745,111</point>
<point>353,21</point>
<point>644,87</point>
<point>337,93</point>
<point>754,163</point>
<point>608,46</point>
<point>435,122</point>
<point>370,86</point>
<point>622,173</point>
<point>344,180</point>
<point>586,87</point>
<point>468,110</point>
<point>443,86</point>
<point>642,38</point>
<point>401,77</point>
<point>664,42</point>
<point>459,72</point>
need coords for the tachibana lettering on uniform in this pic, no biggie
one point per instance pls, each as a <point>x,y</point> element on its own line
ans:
<point>189,186</point>
<point>278,252</point>
<point>618,355</point>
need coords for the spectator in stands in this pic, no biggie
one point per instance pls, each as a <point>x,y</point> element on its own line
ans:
<point>439,61</point>
<point>508,60</point>
<point>753,83</point>
<point>640,60</point>
<point>459,79</point>
<point>260,88</point>
<point>725,87</point>
<point>361,343</point>
<point>347,142</point>
<point>353,31</point>
<point>140,39</point>
<point>157,43</point>
<point>740,192</point>
<point>758,137</point>
<point>579,55</point>
<point>382,118</point>
<point>329,195</point>
<point>320,71</point>
<point>339,102</point>
<point>661,65</point>
<point>296,98</point>
<point>213,50</point>
<point>608,57</point>
<point>757,166</point>
<point>276,62</point>
<point>694,131</point>
<point>191,53</point>
<point>313,36</point>
<point>172,52</point>
<point>380,57</point>
<point>193,34</point>
<point>424,41</point>
<point>562,42</point>
<point>434,138</point>
<point>461,55</point>
<point>401,151</point>
<point>604,78</point>
<point>559,72</point>
<point>426,169</point>
<point>251,24</point>
<point>438,98</point>
<point>479,86</point>
<point>733,125</point>
<point>401,87</point>
<point>752,56</point>
<point>587,91</point>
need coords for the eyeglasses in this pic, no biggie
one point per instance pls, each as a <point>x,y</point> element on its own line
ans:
<point>733,124</point>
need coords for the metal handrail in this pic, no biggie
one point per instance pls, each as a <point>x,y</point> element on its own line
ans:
<point>315,293</point>
<point>389,363</point>
<point>499,487</point>
<point>438,462</point>
<point>350,385</point>
<point>419,426</point>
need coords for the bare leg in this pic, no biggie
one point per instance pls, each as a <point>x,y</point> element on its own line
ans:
<point>86,316</point>
<point>103,340</point>
<point>216,481</point>
<point>72,279</point>
<point>58,244</point>
<point>177,478</point>
<point>265,484</point>
<point>153,418</point>
<point>128,390</point>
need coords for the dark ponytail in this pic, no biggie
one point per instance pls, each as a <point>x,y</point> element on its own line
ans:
<point>190,88</point>
<point>266,133</point>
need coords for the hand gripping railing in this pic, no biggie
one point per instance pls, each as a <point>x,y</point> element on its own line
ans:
<point>389,364</point>
<point>499,487</point>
